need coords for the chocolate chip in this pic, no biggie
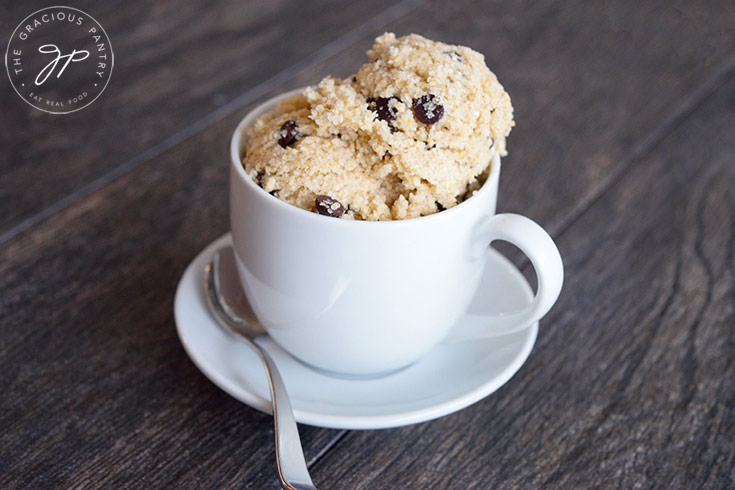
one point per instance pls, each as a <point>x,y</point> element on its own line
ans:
<point>426,110</point>
<point>439,206</point>
<point>383,107</point>
<point>354,79</point>
<point>327,206</point>
<point>259,178</point>
<point>288,134</point>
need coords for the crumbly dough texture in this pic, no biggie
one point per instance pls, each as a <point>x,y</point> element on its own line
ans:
<point>382,169</point>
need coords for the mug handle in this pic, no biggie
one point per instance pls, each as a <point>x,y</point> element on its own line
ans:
<point>544,255</point>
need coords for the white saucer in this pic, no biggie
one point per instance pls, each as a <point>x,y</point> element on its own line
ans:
<point>451,377</point>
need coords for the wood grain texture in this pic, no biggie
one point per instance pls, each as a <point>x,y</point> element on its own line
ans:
<point>589,81</point>
<point>594,85</point>
<point>99,393</point>
<point>98,390</point>
<point>632,382</point>
<point>175,63</point>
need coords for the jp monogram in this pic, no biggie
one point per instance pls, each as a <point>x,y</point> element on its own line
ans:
<point>59,59</point>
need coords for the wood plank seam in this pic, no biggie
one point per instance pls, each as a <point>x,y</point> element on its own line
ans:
<point>690,361</point>
<point>649,143</point>
<point>327,447</point>
<point>355,35</point>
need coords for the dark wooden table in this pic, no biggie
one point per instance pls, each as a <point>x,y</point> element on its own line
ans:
<point>624,149</point>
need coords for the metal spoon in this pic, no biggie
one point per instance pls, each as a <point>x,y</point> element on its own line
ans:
<point>229,305</point>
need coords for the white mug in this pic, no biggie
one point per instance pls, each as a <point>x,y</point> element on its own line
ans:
<point>371,297</point>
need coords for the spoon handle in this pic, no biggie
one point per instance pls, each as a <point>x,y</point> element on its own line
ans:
<point>289,455</point>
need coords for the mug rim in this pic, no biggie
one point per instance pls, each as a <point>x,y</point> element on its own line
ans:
<point>236,164</point>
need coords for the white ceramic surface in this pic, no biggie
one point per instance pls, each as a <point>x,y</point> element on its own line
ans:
<point>362,298</point>
<point>450,377</point>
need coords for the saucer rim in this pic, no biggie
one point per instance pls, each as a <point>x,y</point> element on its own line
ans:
<point>348,422</point>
